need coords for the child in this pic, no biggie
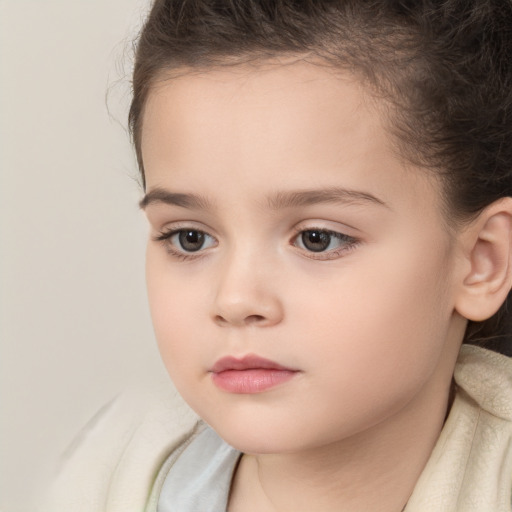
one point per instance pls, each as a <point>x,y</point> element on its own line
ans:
<point>329,191</point>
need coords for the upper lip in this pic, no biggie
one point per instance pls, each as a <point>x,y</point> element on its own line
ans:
<point>249,362</point>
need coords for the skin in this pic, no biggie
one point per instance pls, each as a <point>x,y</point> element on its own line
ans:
<point>370,324</point>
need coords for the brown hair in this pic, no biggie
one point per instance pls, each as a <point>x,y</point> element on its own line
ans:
<point>444,66</point>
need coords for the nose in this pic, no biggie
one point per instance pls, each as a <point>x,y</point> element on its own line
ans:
<point>246,295</point>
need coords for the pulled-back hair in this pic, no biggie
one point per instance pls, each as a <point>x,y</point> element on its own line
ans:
<point>444,67</point>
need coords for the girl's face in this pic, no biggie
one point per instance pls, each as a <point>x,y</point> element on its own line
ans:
<point>284,227</point>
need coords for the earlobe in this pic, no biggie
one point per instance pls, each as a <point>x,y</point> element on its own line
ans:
<point>488,258</point>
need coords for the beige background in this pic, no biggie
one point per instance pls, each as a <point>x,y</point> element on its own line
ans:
<point>74,324</point>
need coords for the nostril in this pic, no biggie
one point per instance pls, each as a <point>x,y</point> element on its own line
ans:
<point>220,320</point>
<point>252,319</point>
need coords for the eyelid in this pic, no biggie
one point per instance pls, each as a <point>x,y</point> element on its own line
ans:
<point>327,225</point>
<point>167,228</point>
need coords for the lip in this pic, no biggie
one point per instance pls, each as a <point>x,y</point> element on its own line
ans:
<point>249,362</point>
<point>250,374</point>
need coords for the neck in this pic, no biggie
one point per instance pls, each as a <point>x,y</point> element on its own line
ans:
<point>373,470</point>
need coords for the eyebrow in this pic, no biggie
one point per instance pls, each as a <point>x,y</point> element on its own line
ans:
<point>278,201</point>
<point>294,199</point>
<point>190,201</point>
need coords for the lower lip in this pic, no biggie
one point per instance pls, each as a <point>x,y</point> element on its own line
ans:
<point>251,381</point>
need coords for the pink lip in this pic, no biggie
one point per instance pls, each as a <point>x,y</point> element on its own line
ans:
<point>251,374</point>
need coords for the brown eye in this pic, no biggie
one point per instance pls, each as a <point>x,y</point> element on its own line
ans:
<point>184,243</point>
<point>327,245</point>
<point>191,240</point>
<point>315,240</point>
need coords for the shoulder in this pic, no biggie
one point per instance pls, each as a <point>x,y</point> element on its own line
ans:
<point>112,464</point>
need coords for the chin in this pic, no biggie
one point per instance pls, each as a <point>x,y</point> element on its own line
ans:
<point>262,436</point>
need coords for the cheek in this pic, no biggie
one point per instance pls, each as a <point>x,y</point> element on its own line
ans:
<point>382,324</point>
<point>175,305</point>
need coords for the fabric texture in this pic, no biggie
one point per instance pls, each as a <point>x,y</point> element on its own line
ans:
<point>122,459</point>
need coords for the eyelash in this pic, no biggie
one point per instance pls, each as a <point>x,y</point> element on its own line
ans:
<point>348,243</point>
<point>164,238</point>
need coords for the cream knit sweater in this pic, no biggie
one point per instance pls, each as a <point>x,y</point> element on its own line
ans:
<point>114,465</point>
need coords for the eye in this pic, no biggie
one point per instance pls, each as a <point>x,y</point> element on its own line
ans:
<point>187,240</point>
<point>190,240</point>
<point>324,241</point>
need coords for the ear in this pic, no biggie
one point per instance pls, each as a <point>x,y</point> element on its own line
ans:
<point>487,275</point>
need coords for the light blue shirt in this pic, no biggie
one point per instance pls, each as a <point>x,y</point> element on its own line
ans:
<point>200,479</point>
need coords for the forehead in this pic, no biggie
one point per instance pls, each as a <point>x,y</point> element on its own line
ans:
<point>268,105</point>
<point>275,125</point>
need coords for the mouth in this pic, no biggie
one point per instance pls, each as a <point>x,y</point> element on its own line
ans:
<point>250,374</point>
